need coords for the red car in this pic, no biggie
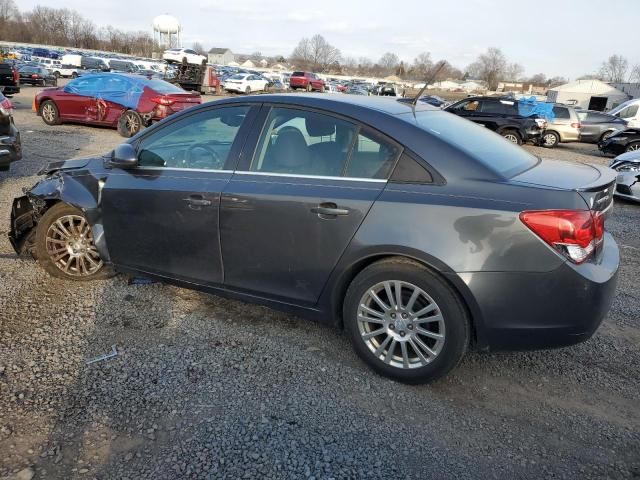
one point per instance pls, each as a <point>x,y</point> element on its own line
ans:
<point>126,102</point>
<point>307,81</point>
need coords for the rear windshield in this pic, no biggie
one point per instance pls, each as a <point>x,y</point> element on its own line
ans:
<point>487,147</point>
<point>161,86</point>
<point>297,74</point>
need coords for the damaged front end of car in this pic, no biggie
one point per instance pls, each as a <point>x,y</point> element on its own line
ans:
<point>628,182</point>
<point>65,181</point>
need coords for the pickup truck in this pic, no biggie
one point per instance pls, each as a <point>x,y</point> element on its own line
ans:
<point>501,115</point>
<point>9,79</point>
<point>65,71</point>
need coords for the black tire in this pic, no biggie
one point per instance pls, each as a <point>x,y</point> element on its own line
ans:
<point>454,317</point>
<point>512,135</point>
<point>605,135</point>
<point>61,211</point>
<point>247,90</point>
<point>322,89</point>
<point>44,82</point>
<point>56,74</point>
<point>49,112</point>
<point>309,87</point>
<point>550,139</point>
<point>129,123</point>
<point>632,147</point>
<point>74,75</point>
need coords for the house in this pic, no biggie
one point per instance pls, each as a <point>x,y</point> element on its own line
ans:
<point>522,87</point>
<point>631,89</point>
<point>263,63</point>
<point>221,56</point>
<point>590,94</point>
<point>248,64</point>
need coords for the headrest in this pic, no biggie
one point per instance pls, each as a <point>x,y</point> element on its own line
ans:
<point>319,126</point>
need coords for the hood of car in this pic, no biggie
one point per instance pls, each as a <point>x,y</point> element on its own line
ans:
<point>633,156</point>
<point>65,165</point>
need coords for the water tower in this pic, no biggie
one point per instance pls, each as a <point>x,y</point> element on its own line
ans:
<point>167,32</point>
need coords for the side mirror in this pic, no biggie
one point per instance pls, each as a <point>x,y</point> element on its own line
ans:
<point>124,156</point>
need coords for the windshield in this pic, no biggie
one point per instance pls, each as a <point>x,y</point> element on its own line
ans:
<point>238,76</point>
<point>485,146</point>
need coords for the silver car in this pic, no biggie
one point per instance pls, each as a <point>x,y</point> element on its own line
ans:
<point>564,128</point>
<point>597,126</point>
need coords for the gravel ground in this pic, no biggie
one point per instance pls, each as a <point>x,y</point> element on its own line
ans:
<point>205,387</point>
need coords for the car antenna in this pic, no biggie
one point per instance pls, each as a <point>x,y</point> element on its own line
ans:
<point>430,78</point>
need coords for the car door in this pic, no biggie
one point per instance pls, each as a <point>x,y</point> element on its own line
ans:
<point>590,126</point>
<point>74,99</point>
<point>161,217</point>
<point>292,207</point>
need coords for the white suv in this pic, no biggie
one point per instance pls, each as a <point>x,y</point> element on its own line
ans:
<point>177,55</point>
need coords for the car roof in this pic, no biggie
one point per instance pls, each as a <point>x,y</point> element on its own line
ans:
<point>356,104</point>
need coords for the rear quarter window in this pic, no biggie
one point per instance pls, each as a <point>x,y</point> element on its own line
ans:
<point>561,113</point>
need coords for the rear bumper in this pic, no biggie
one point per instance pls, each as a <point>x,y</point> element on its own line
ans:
<point>526,311</point>
<point>10,90</point>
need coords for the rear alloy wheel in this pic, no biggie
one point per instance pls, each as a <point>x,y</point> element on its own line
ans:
<point>512,136</point>
<point>49,113</point>
<point>129,123</point>
<point>64,245</point>
<point>550,139</point>
<point>632,147</point>
<point>405,322</point>
<point>606,135</point>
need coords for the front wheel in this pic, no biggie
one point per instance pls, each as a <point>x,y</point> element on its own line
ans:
<point>64,245</point>
<point>129,123</point>
<point>247,90</point>
<point>512,136</point>
<point>49,113</point>
<point>550,139</point>
<point>405,322</point>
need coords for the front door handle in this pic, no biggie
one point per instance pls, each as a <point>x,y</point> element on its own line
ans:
<point>197,201</point>
<point>329,209</point>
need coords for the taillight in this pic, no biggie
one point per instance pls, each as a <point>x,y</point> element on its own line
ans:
<point>16,77</point>
<point>34,76</point>
<point>576,125</point>
<point>574,233</point>
<point>5,107</point>
<point>163,100</point>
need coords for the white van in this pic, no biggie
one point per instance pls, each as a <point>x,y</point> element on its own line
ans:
<point>629,111</point>
<point>71,59</point>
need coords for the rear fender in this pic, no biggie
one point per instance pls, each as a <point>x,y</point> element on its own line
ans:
<point>82,192</point>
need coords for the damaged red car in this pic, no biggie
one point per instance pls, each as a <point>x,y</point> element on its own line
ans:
<point>126,102</point>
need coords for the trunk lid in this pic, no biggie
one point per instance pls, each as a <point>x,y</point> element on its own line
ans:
<point>594,183</point>
<point>184,100</point>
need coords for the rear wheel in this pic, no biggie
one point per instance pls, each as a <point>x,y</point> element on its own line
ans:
<point>49,113</point>
<point>74,75</point>
<point>129,123</point>
<point>64,245</point>
<point>632,147</point>
<point>512,136</point>
<point>405,322</point>
<point>550,139</point>
<point>606,135</point>
<point>309,87</point>
<point>247,90</point>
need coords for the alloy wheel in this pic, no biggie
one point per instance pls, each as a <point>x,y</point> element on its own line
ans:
<point>549,139</point>
<point>69,244</point>
<point>634,147</point>
<point>132,124</point>
<point>48,112</point>
<point>511,137</point>
<point>401,324</point>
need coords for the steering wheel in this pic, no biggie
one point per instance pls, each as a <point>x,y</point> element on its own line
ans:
<point>215,164</point>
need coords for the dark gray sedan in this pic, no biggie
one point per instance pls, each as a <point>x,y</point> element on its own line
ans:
<point>597,126</point>
<point>422,234</point>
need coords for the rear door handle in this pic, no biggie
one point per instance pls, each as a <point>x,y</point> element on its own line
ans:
<point>329,209</point>
<point>197,201</point>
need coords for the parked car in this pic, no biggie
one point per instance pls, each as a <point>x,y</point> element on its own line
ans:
<point>331,88</point>
<point>596,126</point>
<point>501,115</point>
<point>9,79</point>
<point>246,83</point>
<point>306,81</point>
<point>565,127</point>
<point>629,111</point>
<point>627,140</point>
<point>65,71</point>
<point>124,101</point>
<point>92,63</point>
<point>628,182</point>
<point>357,90</point>
<point>182,55</point>
<point>37,76</point>
<point>433,100</point>
<point>122,66</point>
<point>10,146</point>
<point>491,247</point>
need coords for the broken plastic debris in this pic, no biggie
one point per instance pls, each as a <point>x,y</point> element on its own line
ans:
<point>140,281</point>
<point>104,356</point>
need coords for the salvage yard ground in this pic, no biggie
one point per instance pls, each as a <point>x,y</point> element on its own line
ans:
<point>205,387</point>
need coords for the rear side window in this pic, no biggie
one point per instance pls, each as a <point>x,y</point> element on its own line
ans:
<point>628,112</point>
<point>561,113</point>
<point>480,143</point>
<point>371,157</point>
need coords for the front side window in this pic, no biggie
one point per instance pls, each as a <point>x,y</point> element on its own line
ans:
<point>628,112</point>
<point>199,141</point>
<point>300,142</point>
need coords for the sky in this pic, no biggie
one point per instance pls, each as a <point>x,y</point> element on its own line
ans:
<point>561,38</point>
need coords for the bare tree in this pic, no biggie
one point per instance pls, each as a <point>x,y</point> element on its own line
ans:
<point>555,81</point>
<point>614,69</point>
<point>635,73</point>
<point>538,79</point>
<point>421,65</point>
<point>315,53</point>
<point>199,48</point>
<point>8,11</point>
<point>489,67</point>
<point>389,62</point>
<point>513,72</point>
